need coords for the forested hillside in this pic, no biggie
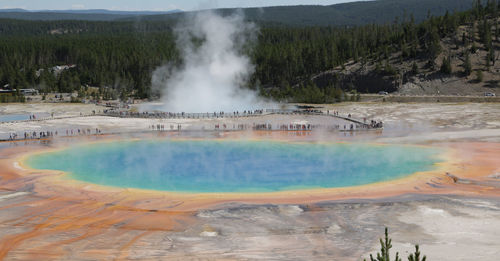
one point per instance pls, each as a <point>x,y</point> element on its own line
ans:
<point>86,15</point>
<point>119,57</point>
<point>346,14</point>
<point>375,58</point>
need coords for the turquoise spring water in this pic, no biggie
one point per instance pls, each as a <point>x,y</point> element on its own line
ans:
<point>235,166</point>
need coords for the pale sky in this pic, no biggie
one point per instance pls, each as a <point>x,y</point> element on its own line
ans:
<point>153,5</point>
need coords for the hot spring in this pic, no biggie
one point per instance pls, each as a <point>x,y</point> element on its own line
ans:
<point>207,166</point>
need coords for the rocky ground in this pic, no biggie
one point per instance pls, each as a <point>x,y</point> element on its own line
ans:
<point>446,227</point>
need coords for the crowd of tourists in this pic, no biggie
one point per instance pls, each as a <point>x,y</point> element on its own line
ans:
<point>221,114</point>
<point>269,126</point>
<point>29,135</point>
<point>352,126</point>
<point>161,127</point>
<point>178,115</point>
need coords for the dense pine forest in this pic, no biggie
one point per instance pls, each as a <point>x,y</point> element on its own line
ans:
<point>119,57</point>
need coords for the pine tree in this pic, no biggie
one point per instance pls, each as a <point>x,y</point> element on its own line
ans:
<point>414,68</point>
<point>385,246</point>
<point>446,65</point>
<point>478,9</point>
<point>416,255</point>
<point>467,65</point>
<point>485,34</point>
<point>491,56</point>
<point>479,76</point>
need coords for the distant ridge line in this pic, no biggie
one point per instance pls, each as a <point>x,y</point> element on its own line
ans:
<point>92,11</point>
<point>344,14</point>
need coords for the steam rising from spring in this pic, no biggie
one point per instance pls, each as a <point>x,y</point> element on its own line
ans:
<point>214,69</point>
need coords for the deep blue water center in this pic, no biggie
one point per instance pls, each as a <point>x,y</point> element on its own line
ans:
<point>235,166</point>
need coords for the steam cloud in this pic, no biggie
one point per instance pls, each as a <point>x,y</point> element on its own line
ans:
<point>214,69</point>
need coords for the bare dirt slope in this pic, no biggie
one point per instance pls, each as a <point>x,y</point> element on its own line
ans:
<point>369,76</point>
